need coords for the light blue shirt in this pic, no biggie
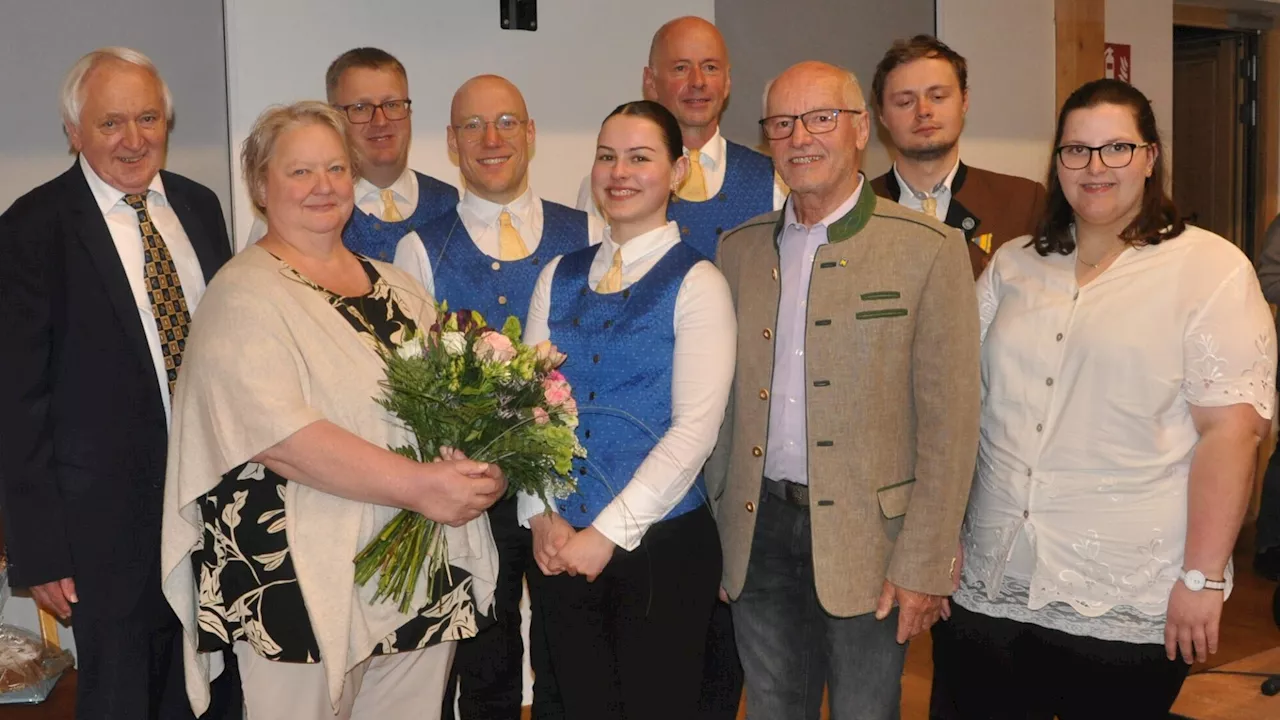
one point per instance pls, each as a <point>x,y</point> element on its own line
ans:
<point>787,456</point>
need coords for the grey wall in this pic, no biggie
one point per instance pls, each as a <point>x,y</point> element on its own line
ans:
<point>41,39</point>
<point>766,36</point>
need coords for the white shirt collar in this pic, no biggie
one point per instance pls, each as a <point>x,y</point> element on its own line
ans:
<point>643,244</point>
<point>405,188</point>
<point>713,151</point>
<point>789,214</point>
<point>904,187</point>
<point>108,196</point>
<point>487,212</point>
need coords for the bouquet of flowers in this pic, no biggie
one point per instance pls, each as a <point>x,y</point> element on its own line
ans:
<point>466,386</point>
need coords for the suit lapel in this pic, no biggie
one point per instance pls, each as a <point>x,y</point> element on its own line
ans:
<point>202,242</point>
<point>958,216</point>
<point>91,230</point>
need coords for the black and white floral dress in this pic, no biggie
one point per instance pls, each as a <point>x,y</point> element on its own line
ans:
<point>248,587</point>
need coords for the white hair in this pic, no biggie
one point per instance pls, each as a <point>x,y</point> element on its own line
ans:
<point>853,97</point>
<point>72,95</point>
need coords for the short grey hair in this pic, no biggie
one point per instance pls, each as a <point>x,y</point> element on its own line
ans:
<point>853,97</point>
<point>72,95</point>
<point>260,146</point>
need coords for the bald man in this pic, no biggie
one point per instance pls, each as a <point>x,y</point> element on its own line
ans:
<point>844,461</point>
<point>485,255</point>
<point>728,183</point>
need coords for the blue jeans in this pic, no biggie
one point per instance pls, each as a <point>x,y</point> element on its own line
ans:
<point>790,647</point>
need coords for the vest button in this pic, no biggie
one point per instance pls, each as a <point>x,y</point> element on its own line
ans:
<point>577,322</point>
<point>377,226</point>
<point>626,293</point>
<point>502,299</point>
<point>595,358</point>
<point>768,334</point>
<point>719,230</point>
<point>751,507</point>
<point>582,471</point>
<point>722,197</point>
<point>684,230</point>
<point>496,265</point>
<point>587,433</point>
<point>608,324</point>
<point>591,395</point>
<point>583,507</point>
<point>764,394</point>
<point>757,451</point>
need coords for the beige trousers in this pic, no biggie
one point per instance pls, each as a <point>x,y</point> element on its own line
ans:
<point>387,687</point>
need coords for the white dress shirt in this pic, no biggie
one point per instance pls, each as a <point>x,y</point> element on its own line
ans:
<point>702,370</point>
<point>1078,515</point>
<point>913,199</point>
<point>713,164</point>
<point>786,456</point>
<point>368,198</point>
<point>480,220</point>
<point>122,221</point>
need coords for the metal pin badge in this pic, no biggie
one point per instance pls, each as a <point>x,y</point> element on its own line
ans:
<point>968,223</point>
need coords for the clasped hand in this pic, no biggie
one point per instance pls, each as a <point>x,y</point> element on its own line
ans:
<point>559,548</point>
<point>460,489</point>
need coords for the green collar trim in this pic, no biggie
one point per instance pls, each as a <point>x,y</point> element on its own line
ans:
<point>846,227</point>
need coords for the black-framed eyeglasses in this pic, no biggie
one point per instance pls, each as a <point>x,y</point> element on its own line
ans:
<point>472,130</point>
<point>1114,155</point>
<point>816,122</point>
<point>361,113</point>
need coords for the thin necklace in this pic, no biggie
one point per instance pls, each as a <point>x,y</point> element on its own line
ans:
<point>1100,260</point>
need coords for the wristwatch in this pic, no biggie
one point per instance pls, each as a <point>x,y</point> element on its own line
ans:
<point>1195,581</point>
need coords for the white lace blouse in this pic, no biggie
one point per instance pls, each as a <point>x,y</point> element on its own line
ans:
<point>1078,514</point>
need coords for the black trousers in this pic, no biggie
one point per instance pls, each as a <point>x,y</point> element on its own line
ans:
<point>488,672</point>
<point>998,669</point>
<point>129,656</point>
<point>630,645</point>
<point>721,669</point>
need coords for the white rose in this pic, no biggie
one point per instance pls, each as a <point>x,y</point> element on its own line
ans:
<point>455,343</point>
<point>411,349</point>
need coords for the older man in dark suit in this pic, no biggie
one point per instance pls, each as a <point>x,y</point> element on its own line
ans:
<point>921,92</point>
<point>102,269</point>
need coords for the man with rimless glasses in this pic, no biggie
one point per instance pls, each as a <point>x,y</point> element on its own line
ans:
<point>370,86</point>
<point>485,254</point>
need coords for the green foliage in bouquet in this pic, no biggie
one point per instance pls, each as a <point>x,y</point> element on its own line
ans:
<point>467,386</point>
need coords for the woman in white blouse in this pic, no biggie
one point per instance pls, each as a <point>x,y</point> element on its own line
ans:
<point>1128,375</point>
<point>629,566</point>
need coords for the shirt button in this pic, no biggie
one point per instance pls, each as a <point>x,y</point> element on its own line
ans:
<point>496,265</point>
<point>1039,427</point>
<point>751,507</point>
<point>757,451</point>
<point>1059,337</point>
<point>1026,514</point>
<point>1028,472</point>
<point>502,299</point>
<point>1048,381</point>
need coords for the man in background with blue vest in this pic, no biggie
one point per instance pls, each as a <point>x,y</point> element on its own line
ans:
<point>485,254</point>
<point>370,86</point>
<point>728,183</point>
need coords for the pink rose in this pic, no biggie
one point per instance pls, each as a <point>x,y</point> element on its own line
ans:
<point>557,392</point>
<point>495,347</point>
<point>540,416</point>
<point>556,376</point>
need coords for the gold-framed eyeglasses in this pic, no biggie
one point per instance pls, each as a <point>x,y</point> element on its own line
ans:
<point>1114,155</point>
<point>361,113</point>
<point>472,129</point>
<point>816,122</point>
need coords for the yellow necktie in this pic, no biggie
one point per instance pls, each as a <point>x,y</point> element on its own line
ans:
<point>612,280</point>
<point>929,206</point>
<point>694,188</point>
<point>510,245</point>
<point>390,213</point>
<point>164,289</point>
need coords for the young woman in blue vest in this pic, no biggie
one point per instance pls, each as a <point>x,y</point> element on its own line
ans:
<point>630,563</point>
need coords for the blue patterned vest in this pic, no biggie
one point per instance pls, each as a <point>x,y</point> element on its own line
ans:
<point>619,349</point>
<point>372,237</point>
<point>747,192</point>
<point>467,278</point>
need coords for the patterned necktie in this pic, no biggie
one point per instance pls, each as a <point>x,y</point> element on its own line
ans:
<point>164,288</point>
<point>694,188</point>
<point>510,245</point>
<point>612,280</point>
<point>390,213</point>
<point>929,206</point>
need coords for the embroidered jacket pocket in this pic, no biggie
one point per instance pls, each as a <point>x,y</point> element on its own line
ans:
<point>894,499</point>
<point>879,314</point>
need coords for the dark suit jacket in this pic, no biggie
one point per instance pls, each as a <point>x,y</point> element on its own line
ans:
<point>983,202</point>
<point>82,427</point>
